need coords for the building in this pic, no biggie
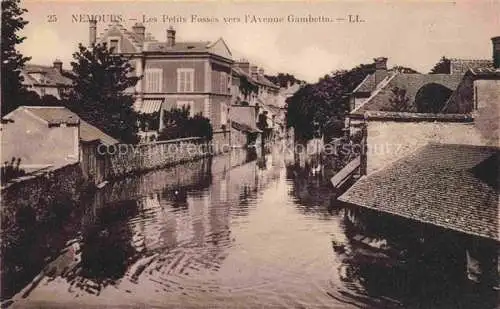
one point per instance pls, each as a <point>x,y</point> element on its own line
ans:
<point>469,113</point>
<point>252,88</point>
<point>50,137</point>
<point>454,187</point>
<point>47,80</point>
<point>193,74</point>
<point>244,131</point>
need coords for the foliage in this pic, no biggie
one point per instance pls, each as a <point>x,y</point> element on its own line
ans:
<point>99,96</point>
<point>12,59</point>
<point>148,122</point>
<point>247,87</point>
<point>442,67</point>
<point>399,101</point>
<point>321,108</point>
<point>284,79</point>
<point>11,170</point>
<point>432,98</point>
<point>178,124</point>
<point>402,69</point>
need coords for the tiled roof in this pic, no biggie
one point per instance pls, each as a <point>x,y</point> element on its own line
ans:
<point>266,82</point>
<point>89,133</point>
<point>485,73</point>
<point>452,186</point>
<point>52,76</point>
<point>240,72</point>
<point>463,65</point>
<point>369,83</point>
<point>379,100</point>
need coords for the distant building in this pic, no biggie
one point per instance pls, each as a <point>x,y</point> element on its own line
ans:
<point>469,115</point>
<point>244,131</point>
<point>47,80</point>
<point>194,74</point>
<point>51,137</point>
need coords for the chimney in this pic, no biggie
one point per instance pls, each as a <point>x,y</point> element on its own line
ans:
<point>496,51</point>
<point>254,71</point>
<point>261,71</point>
<point>92,31</point>
<point>139,31</point>
<point>58,65</point>
<point>380,69</point>
<point>170,37</point>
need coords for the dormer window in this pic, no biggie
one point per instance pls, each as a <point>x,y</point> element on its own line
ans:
<point>114,44</point>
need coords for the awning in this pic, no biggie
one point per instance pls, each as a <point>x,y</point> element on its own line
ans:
<point>148,106</point>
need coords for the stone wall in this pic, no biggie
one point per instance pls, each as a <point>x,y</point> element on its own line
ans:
<point>35,197</point>
<point>128,159</point>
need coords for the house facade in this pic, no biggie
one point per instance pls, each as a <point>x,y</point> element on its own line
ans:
<point>192,74</point>
<point>47,80</point>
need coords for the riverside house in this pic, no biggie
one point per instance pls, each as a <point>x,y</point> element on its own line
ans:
<point>53,137</point>
<point>175,73</point>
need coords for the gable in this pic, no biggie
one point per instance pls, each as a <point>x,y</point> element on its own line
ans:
<point>127,42</point>
<point>220,48</point>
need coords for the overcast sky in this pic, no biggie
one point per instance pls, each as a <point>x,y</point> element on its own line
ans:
<point>410,34</point>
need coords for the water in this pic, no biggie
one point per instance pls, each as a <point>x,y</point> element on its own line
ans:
<point>235,231</point>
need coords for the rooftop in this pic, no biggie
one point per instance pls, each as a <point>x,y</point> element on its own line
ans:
<point>451,186</point>
<point>52,76</point>
<point>56,115</point>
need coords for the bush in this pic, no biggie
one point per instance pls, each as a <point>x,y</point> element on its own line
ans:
<point>11,170</point>
<point>178,124</point>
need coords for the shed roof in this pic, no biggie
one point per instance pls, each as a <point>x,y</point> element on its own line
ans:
<point>452,186</point>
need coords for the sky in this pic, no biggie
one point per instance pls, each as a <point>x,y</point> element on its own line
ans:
<point>410,33</point>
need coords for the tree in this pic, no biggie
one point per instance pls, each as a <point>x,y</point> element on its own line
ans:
<point>178,124</point>
<point>101,79</point>
<point>442,67</point>
<point>12,60</point>
<point>399,101</point>
<point>284,79</point>
<point>323,106</point>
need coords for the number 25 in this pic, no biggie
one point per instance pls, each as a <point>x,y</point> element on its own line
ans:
<point>52,18</point>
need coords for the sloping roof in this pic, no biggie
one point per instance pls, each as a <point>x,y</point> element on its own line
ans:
<point>55,115</point>
<point>379,100</point>
<point>488,73</point>
<point>452,186</point>
<point>244,127</point>
<point>464,65</point>
<point>148,105</point>
<point>186,47</point>
<point>369,83</point>
<point>52,76</point>
<point>266,82</point>
<point>240,72</point>
<point>89,133</point>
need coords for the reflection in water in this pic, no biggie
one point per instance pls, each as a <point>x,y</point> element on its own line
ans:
<point>243,228</point>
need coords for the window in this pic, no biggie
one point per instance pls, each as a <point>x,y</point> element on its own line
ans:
<point>189,104</point>
<point>154,80</point>
<point>114,44</point>
<point>223,82</point>
<point>185,80</point>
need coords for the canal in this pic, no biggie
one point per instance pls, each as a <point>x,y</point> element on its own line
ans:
<point>241,230</point>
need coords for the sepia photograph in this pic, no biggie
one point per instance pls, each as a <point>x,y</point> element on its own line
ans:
<point>250,154</point>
